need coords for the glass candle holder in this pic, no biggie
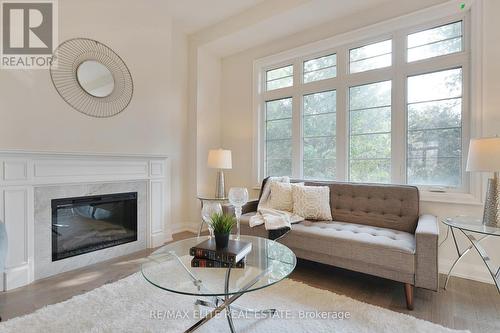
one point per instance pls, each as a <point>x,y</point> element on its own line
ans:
<point>238,197</point>
<point>209,209</point>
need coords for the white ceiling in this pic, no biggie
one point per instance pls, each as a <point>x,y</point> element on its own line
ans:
<point>293,16</point>
<point>230,26</point>
<point>291,20</point>
<point>194,15</point>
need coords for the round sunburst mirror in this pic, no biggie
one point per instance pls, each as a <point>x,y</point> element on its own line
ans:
<point>91,77</point>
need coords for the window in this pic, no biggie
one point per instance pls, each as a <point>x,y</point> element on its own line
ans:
<point>320,68</point>
<point>435,128</point>
<point>279,137</point>
<point>279,78</point>
<point>319,126</point>
<point>373,56</point>
<point>342,119</point>
<point>435,42</point>
<point>370,133</point>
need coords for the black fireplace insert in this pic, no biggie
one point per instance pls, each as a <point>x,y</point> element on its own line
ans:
<point>85,224</point>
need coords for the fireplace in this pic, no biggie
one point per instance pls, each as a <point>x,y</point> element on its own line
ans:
<point>85,224</point>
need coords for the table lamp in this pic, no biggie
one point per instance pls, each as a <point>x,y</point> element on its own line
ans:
<point>484,155</point>
<point>219,159</point>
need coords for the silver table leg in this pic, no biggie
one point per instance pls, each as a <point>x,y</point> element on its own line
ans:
<point>461,254</point>
<point>227,303</point>
<point>492,268</point>
<point>226,298</point>
<point>214,312</point>
<point>201,222</point>
<point>446,237</point>
<point>201,227</point>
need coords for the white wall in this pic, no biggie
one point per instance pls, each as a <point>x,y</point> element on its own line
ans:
<point>237,120</point>
<point>208,117</point>
<point>177,131</point>
<point>491,78</point>
<point>34,117</point>
<point>203,129</point>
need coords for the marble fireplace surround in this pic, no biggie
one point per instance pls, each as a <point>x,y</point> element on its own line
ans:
<point>28,182</point>
<point>44,266</point>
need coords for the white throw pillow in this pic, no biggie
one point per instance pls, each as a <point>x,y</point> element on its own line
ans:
<point>281,196</point>
<point>312,202</point>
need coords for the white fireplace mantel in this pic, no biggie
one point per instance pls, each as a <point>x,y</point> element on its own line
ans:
<point>22,171</point>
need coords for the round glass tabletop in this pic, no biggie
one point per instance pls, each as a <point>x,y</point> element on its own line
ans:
<point>169,268</point>
<point>471,224</point>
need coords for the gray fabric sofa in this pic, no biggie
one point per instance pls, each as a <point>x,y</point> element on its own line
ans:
<point>376,229</point>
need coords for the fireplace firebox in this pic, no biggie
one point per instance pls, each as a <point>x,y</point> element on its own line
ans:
<point>85,224</point>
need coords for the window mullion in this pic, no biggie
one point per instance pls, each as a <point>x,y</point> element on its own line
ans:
<point>342,141</point>
<point>398,119</point>
<point>261,116</point>
<point>297,150</point>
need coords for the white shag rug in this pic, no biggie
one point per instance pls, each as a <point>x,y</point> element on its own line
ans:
<point>134,305</point>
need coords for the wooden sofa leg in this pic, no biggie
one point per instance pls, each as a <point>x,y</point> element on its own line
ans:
<point>409,296</point>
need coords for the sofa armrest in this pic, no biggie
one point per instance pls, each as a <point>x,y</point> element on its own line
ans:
<point>249,207</point>
<point>426,238</point>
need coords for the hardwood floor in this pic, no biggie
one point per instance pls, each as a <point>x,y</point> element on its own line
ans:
<point>465,305</point>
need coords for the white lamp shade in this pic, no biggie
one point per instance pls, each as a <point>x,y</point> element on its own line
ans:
<point>484,155</point>
<point>219,159</point>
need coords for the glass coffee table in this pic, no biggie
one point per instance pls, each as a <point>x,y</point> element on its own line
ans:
<point>169,268</point>
<point>476,232</point>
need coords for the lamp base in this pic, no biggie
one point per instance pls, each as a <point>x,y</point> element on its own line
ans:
<point>491,214</point>
<point>220,191</point>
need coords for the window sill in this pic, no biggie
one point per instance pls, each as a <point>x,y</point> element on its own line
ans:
<point>450,198</point>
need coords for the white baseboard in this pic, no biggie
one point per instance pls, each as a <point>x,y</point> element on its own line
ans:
<point>16,277</point>
<point>183,227</point>
<point>159,239</point>
<point>468,271</point>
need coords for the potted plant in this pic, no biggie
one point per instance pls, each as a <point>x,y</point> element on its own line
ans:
<point>222,224</point>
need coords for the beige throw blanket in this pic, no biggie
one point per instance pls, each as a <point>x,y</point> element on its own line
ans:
<point>273,219</point>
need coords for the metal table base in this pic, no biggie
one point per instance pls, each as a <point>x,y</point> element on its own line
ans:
<point>226,304</point>
<point>474,244</point>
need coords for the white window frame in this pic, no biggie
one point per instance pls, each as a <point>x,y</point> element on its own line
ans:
<point>397,30</point>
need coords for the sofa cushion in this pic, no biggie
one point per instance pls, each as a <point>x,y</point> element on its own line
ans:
<point>391,249</point>
<point>281,196</point>
<point>312,202</point>
<point>385,206</point>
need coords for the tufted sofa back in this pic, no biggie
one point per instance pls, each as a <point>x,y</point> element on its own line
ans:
<point>386,206</point>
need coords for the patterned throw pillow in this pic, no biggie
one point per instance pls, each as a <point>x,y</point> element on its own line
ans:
<point>281,196</point>
<point>312,202</point>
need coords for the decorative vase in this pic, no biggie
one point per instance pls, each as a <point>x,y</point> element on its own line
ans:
<point>238,197</point>
<point>221,240</point>
<point>210,208</point>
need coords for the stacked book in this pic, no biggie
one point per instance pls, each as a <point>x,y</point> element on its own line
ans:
<point>206,254</point>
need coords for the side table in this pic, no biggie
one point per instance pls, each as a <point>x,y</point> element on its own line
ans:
<point>470,227</point>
